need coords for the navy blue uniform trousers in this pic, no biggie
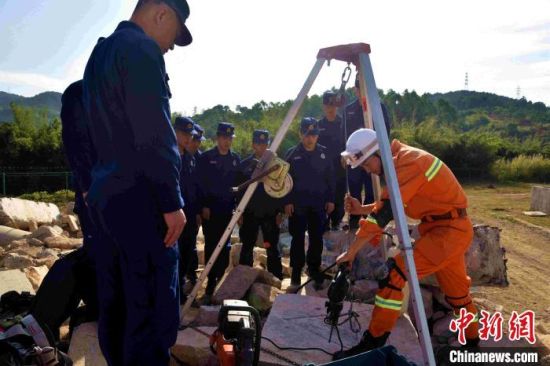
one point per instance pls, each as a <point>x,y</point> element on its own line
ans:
<point>312,219</point>
<point>137,281</point>
<point>188,251</point>
<point>248,233</point>
<point>213,230</point>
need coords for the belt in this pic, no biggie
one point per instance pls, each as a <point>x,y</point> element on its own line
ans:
<point>451,215</point>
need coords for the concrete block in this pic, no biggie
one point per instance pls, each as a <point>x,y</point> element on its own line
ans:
<point>84,349</point>
<point>540,199</point>
<point>208,316</point>
<point>236,284</point>
<point>15,280</point>
<point>63,243</point>
<point>262,296</point>
<point>297,321</point>
<point>18,213</point>
<point>46,231</point>
<point>269,279</point>
<point>71,221</point>
<point>9,234</point>
<point>16,261</point>
<point>36,275</point>
<point>193,347</point>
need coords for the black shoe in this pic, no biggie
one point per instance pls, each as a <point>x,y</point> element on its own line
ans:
<point>318,278</point>
<point>367,343</point>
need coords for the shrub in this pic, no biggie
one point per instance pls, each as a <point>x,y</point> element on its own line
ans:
<point>535,168</point>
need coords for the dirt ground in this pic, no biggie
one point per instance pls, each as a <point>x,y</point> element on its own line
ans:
<point>527,250</point>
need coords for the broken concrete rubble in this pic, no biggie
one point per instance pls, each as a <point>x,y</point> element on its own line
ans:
<point>208,316</point>
<point>18,213</point>
<point>14,280</point>
<point>269,279</point>
<point>36,275</point>
<point>9,234</point>
<point>193,347</point>
<point>71,221</point>
<point>16,261</point>
<point>62,242</point>
<point>540,199</point>
<point>46,231</point>
<point>236,284</point>
<point>262,296</point>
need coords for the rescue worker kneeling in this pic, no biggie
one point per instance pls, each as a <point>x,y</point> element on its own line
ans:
<point>432,194</point>
<point>309,202</point>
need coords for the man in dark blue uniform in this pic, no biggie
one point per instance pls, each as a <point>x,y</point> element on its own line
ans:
<point>310,201</point>
<point>185,131</point>
<point>359,179</point>
<point>217,169</point>
<point>81,157</point>
<point>263,211</point>
<point>331,136</point>
<point>135,195</point>
<point>198,138</point>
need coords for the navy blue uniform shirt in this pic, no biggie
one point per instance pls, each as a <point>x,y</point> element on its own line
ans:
<point>77,143</point>
<point>313,177</point>
<point>126,97</point>
<point>261,204</point>
<point>331,136</point>
<point>217,175</point>
<point>189,183</point>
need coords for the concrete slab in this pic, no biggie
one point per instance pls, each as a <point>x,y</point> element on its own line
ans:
<point>534,213</point>
<point>236,284</point>
<point>15,280</point>
<point>540,199</point>
<point>9,234</point>
<point>297,321</point>
<point>84,349</point>
<point>193,347</point>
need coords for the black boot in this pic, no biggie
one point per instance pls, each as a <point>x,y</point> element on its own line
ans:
<point>317,276</point>
<point>367,343</point>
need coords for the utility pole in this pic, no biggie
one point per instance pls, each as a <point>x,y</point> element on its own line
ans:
<point>466,82</point>
<point>518,92</point>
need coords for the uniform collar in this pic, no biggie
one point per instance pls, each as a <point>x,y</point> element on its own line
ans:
<point>303,149</point>
<point>126,24</point>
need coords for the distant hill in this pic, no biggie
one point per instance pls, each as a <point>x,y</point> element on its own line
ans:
<point>51,101</point>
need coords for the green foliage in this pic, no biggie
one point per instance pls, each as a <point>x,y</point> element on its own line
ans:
<point>59,198</point>
<point>535,168</point>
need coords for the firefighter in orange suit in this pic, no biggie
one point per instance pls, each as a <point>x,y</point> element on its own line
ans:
<point>430,193</point>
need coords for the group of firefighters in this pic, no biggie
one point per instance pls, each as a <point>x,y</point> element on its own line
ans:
<point>143,185</point>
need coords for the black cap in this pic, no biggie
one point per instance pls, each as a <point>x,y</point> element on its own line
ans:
<point>182,9</point>
<point>225,129</point>
<point>330,98</point>
<point>199,132</point>
<point>309,126</point>
<point>260,137</point>
<point>185,124</point>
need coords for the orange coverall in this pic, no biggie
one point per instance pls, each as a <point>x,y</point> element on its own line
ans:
<point>428,187</point>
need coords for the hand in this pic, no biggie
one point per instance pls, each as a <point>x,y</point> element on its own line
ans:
<point>346,257</point>
<point>175,222</point>
<point>329,207</point>
<point>279,219</point>
<point>352,205</point>
<point>289,209</point>
<point>206,213</point>
<point>199,220</point>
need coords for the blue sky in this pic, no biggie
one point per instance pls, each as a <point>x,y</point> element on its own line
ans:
<point>249,50</point>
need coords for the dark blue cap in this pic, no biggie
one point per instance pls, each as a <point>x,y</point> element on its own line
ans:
<point>199,132</point>
<point>309,126</point>
<point>182,10</point>
<point>330,98</point>
<point>185,124</point>
<point>225,129</point>
<point>260,137</point>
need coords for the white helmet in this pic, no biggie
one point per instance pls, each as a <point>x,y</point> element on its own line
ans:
<point>361,145</point>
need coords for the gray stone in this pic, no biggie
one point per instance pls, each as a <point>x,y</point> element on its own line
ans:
<point>261,296</point>
<point>18,213</point>
<point>236,284</point>
<point>46,252</point>
<point>16,261</point>
<point>540,199</point>
<point>63,243</point>
<point>193,347</point>
<point>15,280</point>
<point>297,321</point>
<point>84,348</point>
<point>9,234</point>
<point>208,316</point>
<point>36,275</point>
<point>46,231</point>
<point>46,261</point>
<point>71,221</point>
<point>269,279</point>
<point>427,300</point>
<point>33,242</point>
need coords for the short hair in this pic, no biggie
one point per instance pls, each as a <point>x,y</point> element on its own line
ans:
<point>141,3</point>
